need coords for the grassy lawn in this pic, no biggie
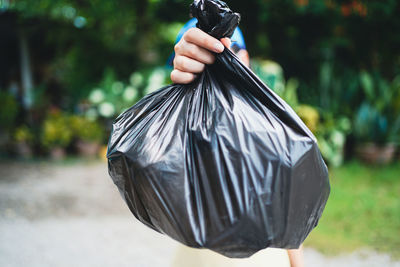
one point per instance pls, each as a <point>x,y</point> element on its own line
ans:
<point>363,210</point>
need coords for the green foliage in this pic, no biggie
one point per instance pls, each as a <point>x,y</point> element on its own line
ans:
<point>56,130</point>
<point>82,39</point>
<point>362,211</point>
<point>329,37</point>
<point>86,130</point>
<point>370,125</point>
<point>330,131</point>
<point>309,115</point>
<point>331,134</point>
<point>8,111</point>
<point>378,118</point>
<point>289,94</point>
<point>322,45</point>
<point>111,97</point>
<point>60,129</point>
<point>270,72</point>
<point>23,134</point>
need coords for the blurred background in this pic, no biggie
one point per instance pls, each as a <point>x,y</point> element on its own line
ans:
<point>69,67</point>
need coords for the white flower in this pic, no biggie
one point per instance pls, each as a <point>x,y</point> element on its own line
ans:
<point>106,109</point>
<point>338,138</point>
<point>136,79</point>
<point>337,159</point>
<point>91,114</point>
<point>129,94</point>
<point>96,96</point>
<point>156,80</point>
<point>279,87</point>
<point>271,67</point>
<point>68,11</point>
<point>117,87</point>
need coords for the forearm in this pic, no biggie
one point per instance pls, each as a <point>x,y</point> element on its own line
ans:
<point>296,257</point>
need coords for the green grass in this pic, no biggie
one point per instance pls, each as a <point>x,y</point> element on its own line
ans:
<point>363,211</point>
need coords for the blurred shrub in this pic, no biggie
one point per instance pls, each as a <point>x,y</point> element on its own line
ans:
<point>331,134</point>
<point>56,130</point>
<point>321,45</point>
<point>345,34</point>
<point>67,37</point>
<point>23,134</point>
<point>270,72</point>
<point>377,120</point>
<point>112,96</point>
<point>309,115</point>
<point>330,131</point>
<point>8,111</point>
<point>86,130</point>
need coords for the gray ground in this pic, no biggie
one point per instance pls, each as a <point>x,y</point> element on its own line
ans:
<point>72,215</point>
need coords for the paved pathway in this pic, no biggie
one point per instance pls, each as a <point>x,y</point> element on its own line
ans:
<point>72,215</point>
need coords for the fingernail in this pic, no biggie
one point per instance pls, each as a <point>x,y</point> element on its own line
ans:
<point>219,47</point>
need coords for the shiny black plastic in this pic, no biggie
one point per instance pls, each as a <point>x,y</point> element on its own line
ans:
<point>215,18</point>
<point>222,163</point>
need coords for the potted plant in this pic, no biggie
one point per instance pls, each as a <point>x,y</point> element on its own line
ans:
<point>56,134</point>
<point>331,133</point>
<point>376,124</point>
<point>23,138</point>
<point>88,134</point>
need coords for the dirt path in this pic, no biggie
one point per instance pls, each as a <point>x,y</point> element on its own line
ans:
<point>72,215</point>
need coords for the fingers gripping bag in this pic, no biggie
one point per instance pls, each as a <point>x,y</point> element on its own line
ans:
<point>221,163</point>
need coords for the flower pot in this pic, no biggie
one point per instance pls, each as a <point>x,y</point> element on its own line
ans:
<point>87,148</point>
<point>57,153</point>
<point>376,154</point>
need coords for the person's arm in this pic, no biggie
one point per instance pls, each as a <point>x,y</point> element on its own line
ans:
<point>193,52</point>
<point>296,257</point>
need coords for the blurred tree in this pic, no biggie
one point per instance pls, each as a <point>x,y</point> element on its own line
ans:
<point>73,42</point>
<point>322,43</point>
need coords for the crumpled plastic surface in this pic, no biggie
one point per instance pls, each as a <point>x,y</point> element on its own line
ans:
<point>222,163</point>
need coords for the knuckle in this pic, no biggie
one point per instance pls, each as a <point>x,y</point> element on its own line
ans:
<point>182,63</point>
<point>194,35</point>
<point>177,47</point>
<point>179,63</point>
<point>190,33</point>
<point>176,62</point>
<point>187,35</point>
<point>193,52</point>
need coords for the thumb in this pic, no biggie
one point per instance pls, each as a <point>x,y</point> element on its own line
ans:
<point>226,42</point>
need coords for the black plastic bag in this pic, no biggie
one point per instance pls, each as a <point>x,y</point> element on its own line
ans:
<point>222,163</point>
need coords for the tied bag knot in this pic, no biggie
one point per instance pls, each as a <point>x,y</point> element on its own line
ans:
<point>215,18</point>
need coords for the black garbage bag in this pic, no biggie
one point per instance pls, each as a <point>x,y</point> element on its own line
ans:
<point>221,163</point>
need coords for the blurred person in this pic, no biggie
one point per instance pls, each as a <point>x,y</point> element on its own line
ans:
<point>194,50</point>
